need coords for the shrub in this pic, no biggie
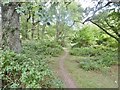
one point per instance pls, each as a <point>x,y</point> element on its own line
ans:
<point>89,51</point>
<point>44,47</point>
<point>89,65</point>
<point>26,70</point>
<point>103,57</point>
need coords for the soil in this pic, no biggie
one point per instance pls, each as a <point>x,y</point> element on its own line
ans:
<point>63,73</point>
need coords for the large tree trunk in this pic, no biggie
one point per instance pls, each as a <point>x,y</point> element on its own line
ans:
<point>0,28</point>
<point>0,41</point>
<point>119,60</point>
<point>10,27</point>
<point>119,52</point>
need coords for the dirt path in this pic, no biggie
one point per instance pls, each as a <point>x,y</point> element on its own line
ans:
<point>68,81</point>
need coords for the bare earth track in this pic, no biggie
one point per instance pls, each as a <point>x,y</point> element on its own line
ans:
<point>68,81</point>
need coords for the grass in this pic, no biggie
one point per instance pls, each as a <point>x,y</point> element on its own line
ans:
<point>105,78</point>
<point>90,79</point>
<point>54,66</point>
<point>100,57</point>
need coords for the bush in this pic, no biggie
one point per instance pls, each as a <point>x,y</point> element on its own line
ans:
<point>26,70</point>
<point>103,57</point>
<point>89,65</point>
<point>86,36</point>
<point>89,51</point>
<point>44,47</point>
<point>108,59</point>
<point>97,64</point>
<point>91,35</point>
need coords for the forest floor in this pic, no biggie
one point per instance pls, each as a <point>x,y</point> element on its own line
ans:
<point>64,74</point>
<point>60,70</point>
<point>72,76</point>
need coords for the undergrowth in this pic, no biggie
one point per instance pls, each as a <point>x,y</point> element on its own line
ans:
<point>103,57</point>
<point>29,69</point>
<point>43,47</point>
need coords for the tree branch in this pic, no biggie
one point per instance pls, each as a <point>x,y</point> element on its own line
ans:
<point>105,30</point>
<point>67,3</point>
<point>29,16</point>
<point>113,28</point>
<point>94,12</point>
<point>73,23</point>
<point>37,22</point>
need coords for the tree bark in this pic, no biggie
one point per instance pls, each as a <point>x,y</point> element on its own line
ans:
<point>26,30</point>
<point>43,31</point>
<point>119,52</point>
<point>0,28</point>
<point>111,35</point>
<point>27,21</point>
<point>0,41</point>
<point>38,35</point>
<point>11,27</point>
<point>63,35</point>
<point>57,25</point>
<point>33,25</point>
<point>57,31</point>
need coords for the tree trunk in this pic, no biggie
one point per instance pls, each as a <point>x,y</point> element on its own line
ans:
<point>63,35</point>
<point>0,28</point>
<point>10,27</point>
<point>26,30</point>
<point>38,35</point>
<point>57,25</point>
<point>32,33</point>
<point>33,25</point>
<point>0,42</point>
<point>57,31</point>
<point>43,31</point>
<point>119,52</point>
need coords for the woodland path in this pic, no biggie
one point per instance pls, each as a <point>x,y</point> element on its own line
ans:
<point>63,73</point>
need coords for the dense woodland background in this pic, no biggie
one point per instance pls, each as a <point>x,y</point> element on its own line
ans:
<point>33,33</point>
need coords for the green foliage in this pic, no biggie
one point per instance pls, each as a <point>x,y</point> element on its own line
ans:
<point>106,40</point>
<point>43,47</point>
<point>89,65</point>
<point>103,57</point>
<point>28,69</point>
<point>82,51</point>
<point>89,51</point>
<point>85,36</point>
<point>90,35</point>
<point>106,18</point>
